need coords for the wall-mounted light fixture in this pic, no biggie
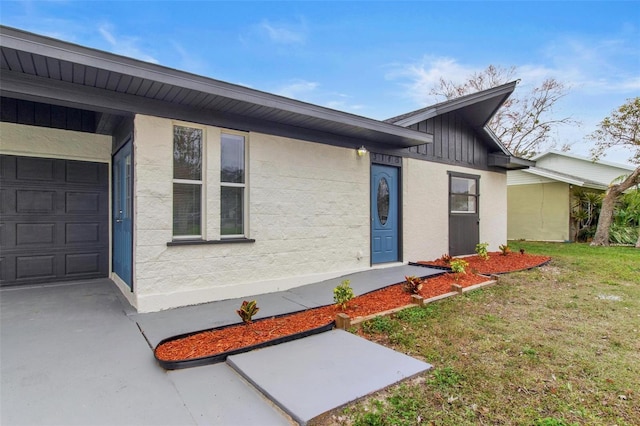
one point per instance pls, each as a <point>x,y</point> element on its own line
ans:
<point>362,151</point>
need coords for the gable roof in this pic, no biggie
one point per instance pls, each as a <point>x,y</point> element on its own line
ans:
<point>476,109</point>
<point>42,69</point>
<point>566,178</point>
<point>553,152</point>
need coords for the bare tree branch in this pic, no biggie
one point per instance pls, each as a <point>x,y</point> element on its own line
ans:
<point>524,123</point>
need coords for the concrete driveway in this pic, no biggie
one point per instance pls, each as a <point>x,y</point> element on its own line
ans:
<point>70,355</point>
<point>74,354</point>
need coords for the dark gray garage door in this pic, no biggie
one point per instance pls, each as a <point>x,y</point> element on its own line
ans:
<point>54,224</point>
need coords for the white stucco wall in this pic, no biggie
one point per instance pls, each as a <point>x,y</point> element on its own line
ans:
<point>426,208</point>
<point>309,212</point>
<point>309,215</point>
<point>493,209</point>
<point>19,139</point>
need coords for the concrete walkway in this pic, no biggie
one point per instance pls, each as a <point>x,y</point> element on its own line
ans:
<point>160,325</point>
<point>74,354</point>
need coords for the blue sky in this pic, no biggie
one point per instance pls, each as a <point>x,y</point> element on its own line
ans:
<point>376,59</point>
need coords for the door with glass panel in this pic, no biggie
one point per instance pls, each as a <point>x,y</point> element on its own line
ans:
<point>464,217</point>
<point>122,214</point>
<point>384,214</point>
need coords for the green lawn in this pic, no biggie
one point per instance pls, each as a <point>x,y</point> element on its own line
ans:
<point>557,345</point>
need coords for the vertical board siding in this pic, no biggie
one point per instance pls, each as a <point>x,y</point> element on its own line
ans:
<point>454,142</point>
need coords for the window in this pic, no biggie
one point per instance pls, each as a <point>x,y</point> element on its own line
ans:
<point>383,201</point>
<point>232,185</point>
<point>187,182</point>
<point>463,194</point>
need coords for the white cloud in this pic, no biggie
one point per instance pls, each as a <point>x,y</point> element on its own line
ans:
<point>126,46</point>
<point>298,89</point>
<point>599,73</point>
<point>342,103</point>
<point>597,66</point>
<point>587,66</point>
<point>309,91</point>
<point>188,61</point>
<point>285,33</point>
<point>419,78</point>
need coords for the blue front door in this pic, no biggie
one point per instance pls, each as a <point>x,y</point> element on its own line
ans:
<point>122,214</point>
<point>384,214</point>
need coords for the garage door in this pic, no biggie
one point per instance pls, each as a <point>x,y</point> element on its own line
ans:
<point>54,224</point>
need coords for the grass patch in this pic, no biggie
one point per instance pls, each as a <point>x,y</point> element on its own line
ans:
<point>380,325</point>
<point>553,346</point>
<point>418,314</point>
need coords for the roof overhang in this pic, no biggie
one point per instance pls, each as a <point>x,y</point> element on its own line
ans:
<point>476,108</point>
<point>509,162</point>
<point>562,177</point>
<point>43,69</point>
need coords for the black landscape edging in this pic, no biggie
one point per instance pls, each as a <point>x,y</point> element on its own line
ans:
<point>213,359</point>
<point>442,268</point>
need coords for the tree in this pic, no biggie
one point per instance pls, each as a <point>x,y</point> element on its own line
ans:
<point>622,129</point>
<point>524,123</point>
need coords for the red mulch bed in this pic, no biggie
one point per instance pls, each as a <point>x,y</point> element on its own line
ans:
<point>497,262</point>
<point>214,342</point>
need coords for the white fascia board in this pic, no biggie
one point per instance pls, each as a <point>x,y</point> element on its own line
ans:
<point>580,157</point>
<point>554,176</point>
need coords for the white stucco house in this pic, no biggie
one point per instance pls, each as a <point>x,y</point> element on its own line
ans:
<point>184,189</point>
<point>540,198</point>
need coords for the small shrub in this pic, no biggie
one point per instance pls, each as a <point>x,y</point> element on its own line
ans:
<point>412,284</point>
<point>459,266</point>
<point>481,250</point>
<point>504,249</point>
<point>342,294</point>
<point>446,258</point>
<point>521,251</point>
<point>247,311</point>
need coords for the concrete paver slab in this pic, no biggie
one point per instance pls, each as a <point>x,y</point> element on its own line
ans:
<point>306,377</point>
<point>217,395</point>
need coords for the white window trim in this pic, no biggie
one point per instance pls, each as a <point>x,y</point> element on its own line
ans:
<point>476,195</point>
<point>201,182</point>
<point>245,185</point>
